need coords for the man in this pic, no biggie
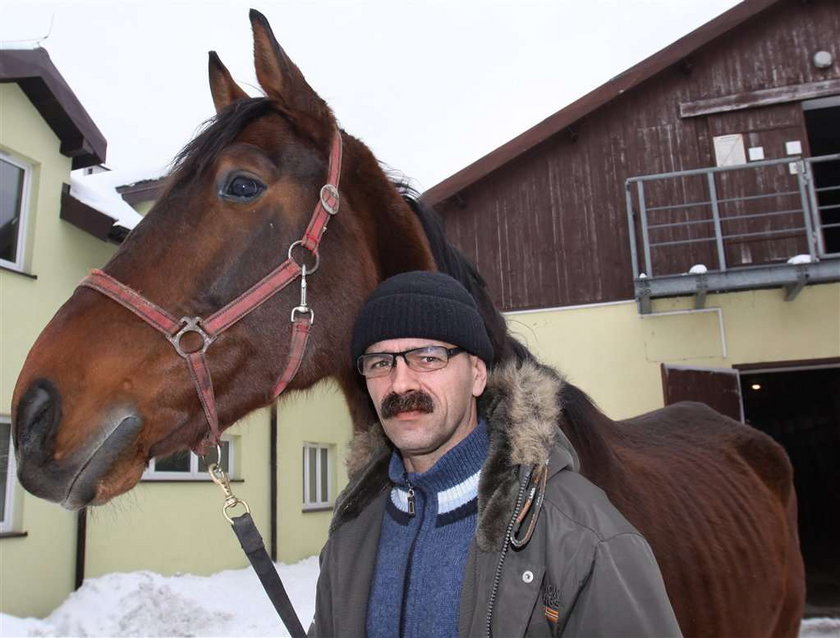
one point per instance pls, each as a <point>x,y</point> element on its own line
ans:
<point>466,517</point>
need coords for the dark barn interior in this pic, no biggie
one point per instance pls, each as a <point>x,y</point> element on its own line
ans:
<point>801,410</point>
<point>823,126</point>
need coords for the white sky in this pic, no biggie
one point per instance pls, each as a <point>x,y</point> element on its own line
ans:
<point>430,85</point>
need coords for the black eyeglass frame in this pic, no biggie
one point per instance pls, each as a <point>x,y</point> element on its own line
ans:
<point>450,352</point>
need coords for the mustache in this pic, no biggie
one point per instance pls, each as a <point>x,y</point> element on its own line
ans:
<point>416,400</point>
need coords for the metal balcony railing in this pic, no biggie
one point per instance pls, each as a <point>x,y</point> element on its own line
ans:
<point>733,224</point>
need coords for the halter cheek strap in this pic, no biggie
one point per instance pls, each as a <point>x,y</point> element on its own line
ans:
<point>209,329</point>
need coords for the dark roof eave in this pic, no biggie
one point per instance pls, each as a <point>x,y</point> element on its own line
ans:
<point>85,217</point>
<point>148,190</point>
<point>618,85</point>
<point>50,94</point>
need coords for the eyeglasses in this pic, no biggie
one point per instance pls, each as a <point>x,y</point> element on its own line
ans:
<point>425,359</point>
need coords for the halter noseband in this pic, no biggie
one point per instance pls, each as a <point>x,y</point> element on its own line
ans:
<point>302,316</point>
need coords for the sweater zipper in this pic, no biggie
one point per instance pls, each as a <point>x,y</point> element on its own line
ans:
<point>520,499</point>
<point>412,504</point>
<point>407,580</point>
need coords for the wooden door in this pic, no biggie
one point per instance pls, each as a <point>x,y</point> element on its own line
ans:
<point>719,388</point>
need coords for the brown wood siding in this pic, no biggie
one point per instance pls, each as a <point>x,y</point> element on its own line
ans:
<point>550,228</point>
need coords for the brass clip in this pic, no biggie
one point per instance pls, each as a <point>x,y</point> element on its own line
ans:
<point>220,478</point>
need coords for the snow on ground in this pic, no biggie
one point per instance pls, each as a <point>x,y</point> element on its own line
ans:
<point>230,603</point>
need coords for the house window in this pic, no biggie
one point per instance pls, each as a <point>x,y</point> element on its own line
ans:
<point>7,476</point>
<point>187,466</point>
<point>14,201</point>
<point>317,476</point>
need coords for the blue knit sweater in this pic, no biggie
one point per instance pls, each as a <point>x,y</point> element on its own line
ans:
<point>416,586</point>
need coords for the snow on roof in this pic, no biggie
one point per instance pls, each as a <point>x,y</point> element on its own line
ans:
<point>20,45</point>
<point>99,191</point>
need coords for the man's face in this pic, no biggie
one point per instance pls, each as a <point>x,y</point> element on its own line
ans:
<point>404,397</point>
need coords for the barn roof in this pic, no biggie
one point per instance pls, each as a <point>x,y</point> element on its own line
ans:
<point>40,80</point>
<point>615,87</point>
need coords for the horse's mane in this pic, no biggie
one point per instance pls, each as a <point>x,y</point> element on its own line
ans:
<point>584,424</point>
<point>452,262</point>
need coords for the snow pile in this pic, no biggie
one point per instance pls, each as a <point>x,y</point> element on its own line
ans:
<point>698,269</point>
<point>230,603</point>
<point>820,628</point>
<point>799,259</point>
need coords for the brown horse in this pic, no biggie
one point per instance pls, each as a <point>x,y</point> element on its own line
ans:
<point>102,392</point>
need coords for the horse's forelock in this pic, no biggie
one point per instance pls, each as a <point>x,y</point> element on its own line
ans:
<point>221,130</point>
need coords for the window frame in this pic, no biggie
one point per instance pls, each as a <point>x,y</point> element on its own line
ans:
<point>23,218</point>
<point>151,475</point>
<point>307,504</point>
<point>7,516</point>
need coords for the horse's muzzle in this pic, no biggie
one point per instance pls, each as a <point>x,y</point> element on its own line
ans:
<point>73,478</point>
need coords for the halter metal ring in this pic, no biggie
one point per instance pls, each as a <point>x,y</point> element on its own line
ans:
<point>330,198</point>
<point>190,324</point>
<point>306,269</point>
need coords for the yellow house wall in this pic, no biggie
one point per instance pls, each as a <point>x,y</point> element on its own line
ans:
<point>614,354</point>
<point>317,416</point>
<point>59,255</point>
<point>178,526</point>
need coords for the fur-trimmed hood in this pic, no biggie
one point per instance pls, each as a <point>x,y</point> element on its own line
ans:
<point>523,411</point>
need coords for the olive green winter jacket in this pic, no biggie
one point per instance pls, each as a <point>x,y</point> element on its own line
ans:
<point>572,566</point>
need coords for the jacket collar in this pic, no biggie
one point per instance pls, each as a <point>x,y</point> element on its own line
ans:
<point>522,408</point>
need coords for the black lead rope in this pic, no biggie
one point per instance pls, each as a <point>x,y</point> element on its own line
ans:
<point>254,548</point>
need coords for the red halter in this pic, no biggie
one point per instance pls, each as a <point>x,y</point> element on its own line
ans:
<point>209,329</point>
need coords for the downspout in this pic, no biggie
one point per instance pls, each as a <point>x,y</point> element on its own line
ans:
<point>81,542</point>
<point>272,483</point>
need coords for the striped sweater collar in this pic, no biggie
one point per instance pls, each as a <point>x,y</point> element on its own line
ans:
<point>453,479</point>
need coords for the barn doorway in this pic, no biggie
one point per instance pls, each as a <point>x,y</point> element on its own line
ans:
<point>822,121</point>
<point>800,408</point>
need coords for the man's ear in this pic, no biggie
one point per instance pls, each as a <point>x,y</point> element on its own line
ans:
<point>479,375</point>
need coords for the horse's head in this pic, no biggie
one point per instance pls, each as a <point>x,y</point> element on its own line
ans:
<point>103,391</point>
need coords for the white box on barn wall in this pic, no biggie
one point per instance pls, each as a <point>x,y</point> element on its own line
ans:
<point>756,153</point>
<point>793,147</point>
<point>729,150</point>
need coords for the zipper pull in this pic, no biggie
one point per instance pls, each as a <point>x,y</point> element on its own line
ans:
<point>412,508</point>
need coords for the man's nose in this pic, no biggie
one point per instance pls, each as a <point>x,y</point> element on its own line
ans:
<point>403,378</point>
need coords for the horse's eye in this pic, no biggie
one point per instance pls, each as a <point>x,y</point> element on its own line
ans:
<point>242,188</point>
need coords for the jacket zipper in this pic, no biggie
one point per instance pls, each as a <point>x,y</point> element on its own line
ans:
<point>520,499</point>
<point>412,510</point>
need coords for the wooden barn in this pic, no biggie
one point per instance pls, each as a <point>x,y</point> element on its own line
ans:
<point>675,234</point>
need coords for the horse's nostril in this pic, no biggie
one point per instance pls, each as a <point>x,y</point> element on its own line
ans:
<point>38,414</point>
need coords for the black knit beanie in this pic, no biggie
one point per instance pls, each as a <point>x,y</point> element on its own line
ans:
<point>422,305</point>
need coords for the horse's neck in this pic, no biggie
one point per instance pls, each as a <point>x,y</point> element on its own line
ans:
<point>398,241</point>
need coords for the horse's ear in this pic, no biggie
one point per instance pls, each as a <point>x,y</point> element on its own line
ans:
<point>222,87</point>
<point>277,74</point>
